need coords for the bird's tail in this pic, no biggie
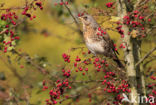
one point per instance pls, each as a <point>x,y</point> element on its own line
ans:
<point>118,63</point>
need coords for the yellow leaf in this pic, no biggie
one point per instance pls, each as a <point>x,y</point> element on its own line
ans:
<point>134,33</point>
<point>115,18</point>
<point>13,43</point>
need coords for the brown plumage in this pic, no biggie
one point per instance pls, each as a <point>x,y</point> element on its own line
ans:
<point>97,40</point>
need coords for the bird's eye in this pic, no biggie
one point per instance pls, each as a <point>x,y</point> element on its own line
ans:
<point>85,17</point>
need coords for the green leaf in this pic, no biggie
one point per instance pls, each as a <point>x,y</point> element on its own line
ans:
<point>13,43</point>
<point>2,23</point>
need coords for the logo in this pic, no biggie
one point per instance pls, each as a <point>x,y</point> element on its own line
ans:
<point>125,99</point>
<point>138,99</point>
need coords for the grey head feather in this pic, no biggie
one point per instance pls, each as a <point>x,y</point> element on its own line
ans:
<point>89,21</point>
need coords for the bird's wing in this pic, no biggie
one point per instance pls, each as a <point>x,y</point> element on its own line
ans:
<point>108,40</point>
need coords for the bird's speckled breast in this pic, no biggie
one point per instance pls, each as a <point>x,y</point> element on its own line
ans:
<point>95,46</point>
<point>92,41</point>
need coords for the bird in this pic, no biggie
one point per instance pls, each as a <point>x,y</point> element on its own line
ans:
<point>97,39</point>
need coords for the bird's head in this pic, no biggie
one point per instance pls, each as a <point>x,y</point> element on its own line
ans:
<point>88,20</point>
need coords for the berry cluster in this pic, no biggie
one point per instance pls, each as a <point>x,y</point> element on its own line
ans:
<point>57,92</point>
<point>80,14</point>
<point>9,18</point>
<point>80,65</point>
<point>99,64</point>
<point>66,73</point>
<point>111,88</point>
<point>135,21</point>
<point>27,8</point>
<point>61,3</point>
<point>66,57</point>
<point>100,32</point>
<point>25,12</point>
<point>109,5</point>
<point>10,22</point>
<point>44,85</point>
<point>152,77</point>
<point>39,4</point>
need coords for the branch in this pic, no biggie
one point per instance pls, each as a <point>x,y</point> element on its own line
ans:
<point>70,97</point>
<point>137,3</point>
<point>12,8</point>
<point>70,13</point>
<point>2,32</point>
<point>12,68</point>
<point>29,59</point>
<point>72,17</point>
<point>26,3</point>
<point>18,8</point>
<point>140,3</point>
<point>146,56</point>
<point>87,81</point>
<point>149,61</point>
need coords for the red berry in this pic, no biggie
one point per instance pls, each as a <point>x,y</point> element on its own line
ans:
<point>66,2</point>
<point>21,66</point>
<point>109,5</point>
<point>55,4</point>
<point>99,29</point>
<point>61,3</point>
<point>149,20</point>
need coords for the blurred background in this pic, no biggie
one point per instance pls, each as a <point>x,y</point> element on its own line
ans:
<point>45,38</point>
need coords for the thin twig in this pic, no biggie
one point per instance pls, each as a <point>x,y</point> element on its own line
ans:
<point>28,59</point>
<point>2,32</point>
<point>18,8</point>
<point>86,81</point>
<point>70,97</point>
<point>70,13</point>
<point>12,68</point>
<point>78,26</point>
<point>146,56</point>
<point>26,3</point>
<point>140,3</point>
<point>14,8</point>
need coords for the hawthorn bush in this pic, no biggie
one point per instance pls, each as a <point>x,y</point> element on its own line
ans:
<point>83,78</point>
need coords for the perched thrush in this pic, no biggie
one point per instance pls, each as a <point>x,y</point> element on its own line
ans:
<point>97,40</point>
